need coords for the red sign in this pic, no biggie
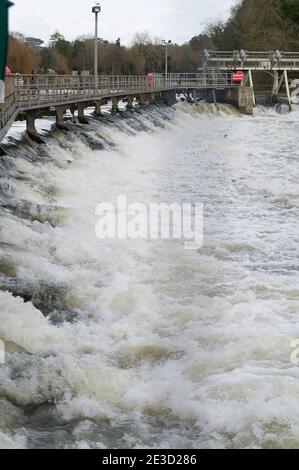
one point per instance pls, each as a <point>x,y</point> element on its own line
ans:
<point>150,80</point>
<point>238,76</point>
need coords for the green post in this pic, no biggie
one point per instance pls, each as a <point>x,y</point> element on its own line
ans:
<point>4,5</point>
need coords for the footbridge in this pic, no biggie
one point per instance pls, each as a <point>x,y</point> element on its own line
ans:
<point>28,97</point>
<point>282,67</point>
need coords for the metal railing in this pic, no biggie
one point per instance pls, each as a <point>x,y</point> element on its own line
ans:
<point>208,79</point>
<point>256,60</point>
<point>27,92</point>
<point>42,90</point>
<point>9,108</point>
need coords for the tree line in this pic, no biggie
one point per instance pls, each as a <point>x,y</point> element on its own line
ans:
<point>258,25</point>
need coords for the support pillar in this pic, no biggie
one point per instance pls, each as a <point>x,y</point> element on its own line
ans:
<point>98,104</point>
<point>158,99</point>
<point>195,96</point>
<point>251,86</point>
<point>73,110</point>
<point>97,109</point>
<point>115,108</point>
<point>30,127</point>
<point>286,79</point>
<point>245,100</point>
<point>130,100</point>
<point>215,99</point>
<point>242,97</point>
<point>60,111</point>
<point>142,99</point>
<point>154,98</point>
<point>278,81</point>
<point>275,83</point>
<point>81,117</point>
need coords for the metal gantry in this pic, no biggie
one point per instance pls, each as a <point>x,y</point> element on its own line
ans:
<point>250,60</point>
<point>283,67</point>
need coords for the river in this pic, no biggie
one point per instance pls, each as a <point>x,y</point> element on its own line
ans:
<point>143,344</point>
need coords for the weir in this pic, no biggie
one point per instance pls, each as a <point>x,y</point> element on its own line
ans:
<point>29,97</point>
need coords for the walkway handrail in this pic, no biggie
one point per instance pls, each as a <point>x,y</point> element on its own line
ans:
<point>32,92</point>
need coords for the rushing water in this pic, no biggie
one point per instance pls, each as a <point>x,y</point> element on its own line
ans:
<point>145,344</point>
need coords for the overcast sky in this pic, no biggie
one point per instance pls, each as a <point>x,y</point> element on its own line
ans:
<point>178,20</point>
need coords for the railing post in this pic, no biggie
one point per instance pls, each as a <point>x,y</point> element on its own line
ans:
<point>16,90</point>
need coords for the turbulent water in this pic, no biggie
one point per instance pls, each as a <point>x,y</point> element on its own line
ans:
<point>114,344</point>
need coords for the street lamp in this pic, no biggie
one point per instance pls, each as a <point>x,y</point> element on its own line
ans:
<point>166,44</point>
<point>96,10</point>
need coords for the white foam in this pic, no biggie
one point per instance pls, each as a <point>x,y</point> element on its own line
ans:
<point>199,342</point>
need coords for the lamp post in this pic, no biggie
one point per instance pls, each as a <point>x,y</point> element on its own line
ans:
<point>96,10</point>
<point>166,44</point>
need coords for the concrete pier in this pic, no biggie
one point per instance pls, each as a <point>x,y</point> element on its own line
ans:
<point>98,104</point>
<point>130,101</point>
<point>81,117</point>
<point>154,98</point>
<point>242,97</point>
<point>143,98</point>
<point>115,101</point>
<point>30,117</point>
<point>60,112</point>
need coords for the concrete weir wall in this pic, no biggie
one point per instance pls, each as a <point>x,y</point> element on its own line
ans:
<point>242,97</point>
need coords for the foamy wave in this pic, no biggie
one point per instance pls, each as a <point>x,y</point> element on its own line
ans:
<point>143,344</point>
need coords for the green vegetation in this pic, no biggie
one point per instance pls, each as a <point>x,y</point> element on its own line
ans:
<point>291,9</point>
<point>259,25</point>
